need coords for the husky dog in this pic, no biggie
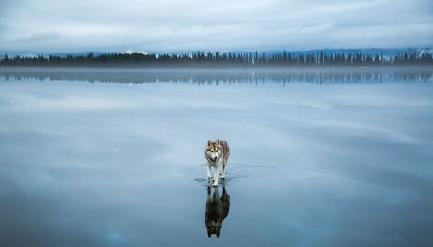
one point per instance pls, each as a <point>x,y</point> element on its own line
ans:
<point>216,154</point>
<point>217,209</point>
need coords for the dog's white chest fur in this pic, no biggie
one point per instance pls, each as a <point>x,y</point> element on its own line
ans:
<point>214,164</point>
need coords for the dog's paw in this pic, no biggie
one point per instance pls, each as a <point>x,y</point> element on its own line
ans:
<point>215,184</point>
<point>223,177</point>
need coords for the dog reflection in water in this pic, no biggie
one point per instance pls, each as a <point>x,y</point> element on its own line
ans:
<point>217,209</point>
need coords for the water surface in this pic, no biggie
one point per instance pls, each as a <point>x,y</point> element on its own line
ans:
<point>318,157</point>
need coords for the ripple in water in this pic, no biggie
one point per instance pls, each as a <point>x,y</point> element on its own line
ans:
<point>238,171</point>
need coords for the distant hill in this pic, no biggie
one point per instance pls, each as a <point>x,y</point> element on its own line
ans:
<point>46,54</point>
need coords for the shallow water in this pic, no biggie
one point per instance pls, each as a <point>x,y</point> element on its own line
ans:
<point>332,162</point>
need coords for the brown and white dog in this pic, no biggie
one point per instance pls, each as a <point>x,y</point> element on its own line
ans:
<point>216,154</point>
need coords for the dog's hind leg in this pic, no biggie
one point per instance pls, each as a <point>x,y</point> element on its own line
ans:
<point>223,173</point>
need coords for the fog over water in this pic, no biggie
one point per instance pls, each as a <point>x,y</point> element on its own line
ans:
<point>318,157</point>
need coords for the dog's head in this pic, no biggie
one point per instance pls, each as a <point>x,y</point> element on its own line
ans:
<point>213,150</point>
<point>214,227</point>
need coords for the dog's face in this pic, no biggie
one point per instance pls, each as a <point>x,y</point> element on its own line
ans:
<point>213,150</point>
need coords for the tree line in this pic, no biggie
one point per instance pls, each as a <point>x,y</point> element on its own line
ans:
<point>221,59</point>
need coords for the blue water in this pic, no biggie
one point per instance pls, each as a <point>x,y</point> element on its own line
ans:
<point>115,157</point>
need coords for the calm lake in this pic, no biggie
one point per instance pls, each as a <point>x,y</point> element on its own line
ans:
<point>329,157</point>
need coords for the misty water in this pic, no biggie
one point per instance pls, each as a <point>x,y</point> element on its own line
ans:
<point>114,157</point>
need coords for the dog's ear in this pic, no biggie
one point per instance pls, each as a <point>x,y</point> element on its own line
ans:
<point>208,233</point>
<point>209,142</point>
<point>218,141</point>
<point>218,233</point>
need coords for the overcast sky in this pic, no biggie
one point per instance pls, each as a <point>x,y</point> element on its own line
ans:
<point>226,25</point>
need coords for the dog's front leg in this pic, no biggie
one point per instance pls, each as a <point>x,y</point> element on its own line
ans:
<point>208,171</point>
<point>217,174</point>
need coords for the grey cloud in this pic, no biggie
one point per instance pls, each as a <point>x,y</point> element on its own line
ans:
<point>39,36</point>
<point>6,5</point>
<point>169,25</point>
